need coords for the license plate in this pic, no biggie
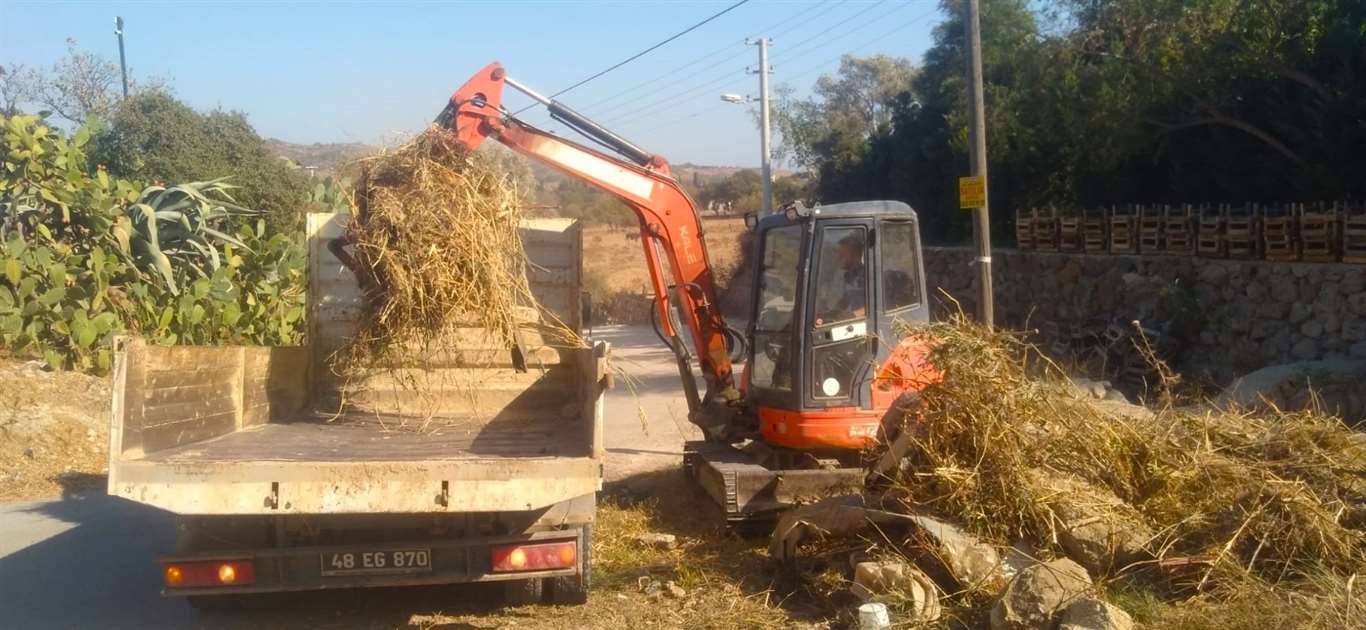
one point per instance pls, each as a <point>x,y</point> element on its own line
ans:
<point>374,562</point>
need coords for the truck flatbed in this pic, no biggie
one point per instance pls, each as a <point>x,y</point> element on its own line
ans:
<point>363,437</point>
<point>243,430</point>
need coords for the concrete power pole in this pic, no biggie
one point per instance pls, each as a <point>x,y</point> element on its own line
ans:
<point>123,64</point>
<point>766,155</point>
<point>977,148</point>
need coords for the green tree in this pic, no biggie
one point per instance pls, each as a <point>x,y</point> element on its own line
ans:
<point>155,137</point>
<point>832,129</point>
<point>1097,102</point>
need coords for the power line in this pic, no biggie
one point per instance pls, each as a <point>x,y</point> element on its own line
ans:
<point>801,49</point>
<point>673,74</point>
<point>809,70</point>
<point>679,97</point>
<point>870,42</point>
<point>836,25</point>
<point>620,104</point>
<point>646,51</point>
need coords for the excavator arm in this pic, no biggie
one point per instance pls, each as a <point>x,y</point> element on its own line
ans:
<point>668,219</point>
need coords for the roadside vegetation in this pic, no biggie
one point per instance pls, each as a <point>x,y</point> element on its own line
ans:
<point>86,256</point>
<point>141,216</point>
<point>1097,103</point>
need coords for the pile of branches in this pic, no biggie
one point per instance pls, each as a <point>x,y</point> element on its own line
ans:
<point>1229,496</point>
<point>436,245</point>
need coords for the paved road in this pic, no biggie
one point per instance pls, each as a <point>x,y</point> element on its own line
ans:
<point>87,561</point>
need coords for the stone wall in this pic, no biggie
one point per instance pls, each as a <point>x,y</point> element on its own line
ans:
<point>1224,317</point>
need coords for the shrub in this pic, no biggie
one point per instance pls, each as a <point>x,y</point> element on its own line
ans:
<point>84,256</point>
<point>154,137</point>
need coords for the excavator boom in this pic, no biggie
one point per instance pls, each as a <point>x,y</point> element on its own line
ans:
<point>668,219</point>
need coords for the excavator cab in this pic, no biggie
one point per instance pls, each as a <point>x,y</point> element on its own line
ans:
<point>838,290</point>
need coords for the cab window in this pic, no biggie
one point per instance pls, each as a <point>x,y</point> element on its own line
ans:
<point>900,282</point>
<point>841,285</point>
<point>839,328</point>
<point>773,323</point>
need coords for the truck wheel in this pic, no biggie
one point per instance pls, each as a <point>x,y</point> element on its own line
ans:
<point>522,592</point>
<point>573,590</point>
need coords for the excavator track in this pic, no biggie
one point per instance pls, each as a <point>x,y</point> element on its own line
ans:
<point>750,495</point>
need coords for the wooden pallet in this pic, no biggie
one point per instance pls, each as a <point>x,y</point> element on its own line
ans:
<point>1354,234</point>
<point>1178,230</point>
<point>1242,232</point>
<point>1280,233</point>
<point>1321,233</point>
<point>1124,230</point>
<point>1210,234</point>
<point>1095,231</point>
<point>1046,229</point>
<point>1150,237</point>
<point>1069,231</point>
<point>1024,228</point>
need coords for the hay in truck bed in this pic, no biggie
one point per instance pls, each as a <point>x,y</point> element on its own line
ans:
<point>253,431</point>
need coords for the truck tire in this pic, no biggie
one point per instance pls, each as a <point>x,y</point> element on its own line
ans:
<point>523,592</point>
<point>573,590</point>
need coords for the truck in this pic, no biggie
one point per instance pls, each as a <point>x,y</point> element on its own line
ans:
<point>285,477</point>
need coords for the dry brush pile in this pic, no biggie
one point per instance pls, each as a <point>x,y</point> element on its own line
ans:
<point>435,234</point>
<point>1192,501</point>
<point>437,252</point>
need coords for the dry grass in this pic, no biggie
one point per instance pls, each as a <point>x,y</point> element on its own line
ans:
<point>1243,501</point>
<point>729,580</point>
<point>436,237</point>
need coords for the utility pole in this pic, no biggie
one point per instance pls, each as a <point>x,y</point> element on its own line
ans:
<point>766,155</point>
<point>123,62</point>
<point>977,148</point>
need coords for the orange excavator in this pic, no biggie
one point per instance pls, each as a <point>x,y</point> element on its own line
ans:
<point>830,353</point>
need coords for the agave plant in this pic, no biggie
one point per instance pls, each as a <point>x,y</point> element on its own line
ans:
<point>180,226</point>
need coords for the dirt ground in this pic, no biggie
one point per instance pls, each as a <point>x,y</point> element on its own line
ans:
<point>615,272</point>
<point>54,430</point>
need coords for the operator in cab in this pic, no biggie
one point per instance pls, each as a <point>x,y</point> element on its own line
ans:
<point>853,299</point>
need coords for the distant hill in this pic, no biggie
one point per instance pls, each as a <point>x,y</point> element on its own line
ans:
<point>324,156</point>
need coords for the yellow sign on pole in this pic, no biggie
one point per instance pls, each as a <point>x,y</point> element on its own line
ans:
<point>972,192</point>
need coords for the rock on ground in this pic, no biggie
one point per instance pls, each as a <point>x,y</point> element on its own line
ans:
<point>1097,529</point>
<point>1333,385</point>
<point>971,562</point>
<point>1037,596</point>
<point>1095,614</point>
<point>656,541</point>
<point>878,578</point>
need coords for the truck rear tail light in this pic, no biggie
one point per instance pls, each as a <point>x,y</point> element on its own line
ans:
<point>538,557</point>
<point>209,573</point>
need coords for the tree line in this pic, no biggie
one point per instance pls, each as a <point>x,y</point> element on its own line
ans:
<point>1099,102</point>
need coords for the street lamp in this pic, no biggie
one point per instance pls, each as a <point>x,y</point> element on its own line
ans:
<point>765,167</point>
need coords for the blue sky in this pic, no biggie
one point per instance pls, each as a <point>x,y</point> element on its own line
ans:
<point>376,71</point>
